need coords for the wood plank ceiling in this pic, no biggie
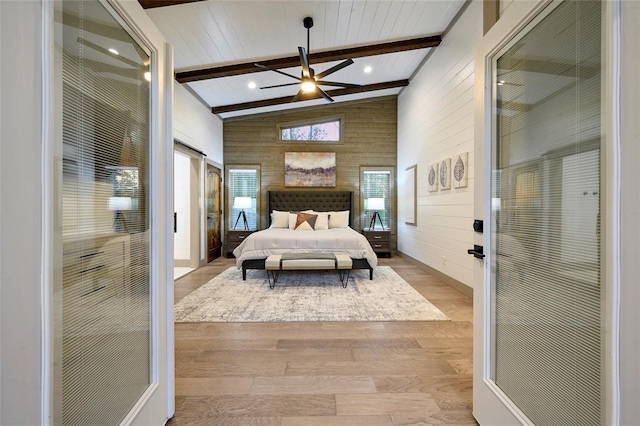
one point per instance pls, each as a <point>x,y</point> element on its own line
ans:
<point>217,42</point>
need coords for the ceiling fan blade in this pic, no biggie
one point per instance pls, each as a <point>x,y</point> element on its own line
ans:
<point>295,98</point>
<point>324,94</point>
<point>334,69</point>
<point>264,67</point>
<point>335,84</point>
<point>280,85</point>
<point>304,62</point>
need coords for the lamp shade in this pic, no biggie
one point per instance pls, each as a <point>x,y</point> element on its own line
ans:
<point>242,203</point>
<point>120,203</point>
<point>375,204</point>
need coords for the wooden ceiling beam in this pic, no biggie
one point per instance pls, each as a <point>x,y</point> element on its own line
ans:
<point>307,97</point>
<point>149,4</point>
<point>314,58</point>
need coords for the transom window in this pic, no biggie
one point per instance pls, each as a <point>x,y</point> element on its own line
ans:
<point>326,131</point>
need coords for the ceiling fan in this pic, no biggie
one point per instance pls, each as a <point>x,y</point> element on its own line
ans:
<point>310,82</point>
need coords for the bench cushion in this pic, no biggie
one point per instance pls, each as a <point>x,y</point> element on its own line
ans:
<point>310,262</point>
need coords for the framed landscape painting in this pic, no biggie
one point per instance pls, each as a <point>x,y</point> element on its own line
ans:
<point>310,169</point>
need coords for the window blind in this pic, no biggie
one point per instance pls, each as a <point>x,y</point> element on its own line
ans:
<point>102,275</point>
<point>377,184</point>
<point>546,263</point>
<point>242,183</point>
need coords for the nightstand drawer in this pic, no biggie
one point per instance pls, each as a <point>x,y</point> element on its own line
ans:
<point>380,246</point>
<point>376,236</point>
<point>238,237</point>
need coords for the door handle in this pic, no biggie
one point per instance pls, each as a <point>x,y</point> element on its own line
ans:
<point>477,251</point>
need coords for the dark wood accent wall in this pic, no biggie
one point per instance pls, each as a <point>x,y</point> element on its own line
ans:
<point>369,138</point>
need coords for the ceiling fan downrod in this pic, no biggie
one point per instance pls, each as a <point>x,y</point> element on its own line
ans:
<point>308,23</point>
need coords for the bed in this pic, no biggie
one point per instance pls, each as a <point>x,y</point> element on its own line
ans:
<point>254,250</point>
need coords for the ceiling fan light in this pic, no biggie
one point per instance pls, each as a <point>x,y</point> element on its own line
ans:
<point>308,86</point>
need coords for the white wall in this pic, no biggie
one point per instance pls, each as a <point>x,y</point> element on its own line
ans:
<point>21,205</point>
<point>435,121</point>
<point>195,124</point>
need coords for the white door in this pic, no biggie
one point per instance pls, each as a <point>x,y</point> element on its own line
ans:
<point>540,339</point>
<point>111,81</point>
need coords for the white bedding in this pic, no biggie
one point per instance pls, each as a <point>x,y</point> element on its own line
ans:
<point>261,244</point>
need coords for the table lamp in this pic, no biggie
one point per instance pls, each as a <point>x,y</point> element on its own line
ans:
<point>242,203</point>
<point>375,204</point>
<point>120,204</point>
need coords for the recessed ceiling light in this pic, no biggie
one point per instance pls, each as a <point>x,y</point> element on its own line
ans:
<point>114,51</point>
<point>252,85</point>
<point>368,69</point>
<point>147,76</point>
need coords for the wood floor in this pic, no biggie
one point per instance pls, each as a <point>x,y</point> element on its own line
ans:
<point>327,373</point>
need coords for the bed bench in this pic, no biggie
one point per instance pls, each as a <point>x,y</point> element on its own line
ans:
<point>308,261</point>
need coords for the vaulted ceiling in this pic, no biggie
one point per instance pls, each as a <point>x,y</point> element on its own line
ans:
<point>217,43</point>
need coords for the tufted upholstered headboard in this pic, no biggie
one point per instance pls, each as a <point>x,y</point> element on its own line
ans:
<point>321,201</point>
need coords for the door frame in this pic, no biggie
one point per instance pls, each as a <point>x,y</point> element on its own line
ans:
<point>196,185</point>
<point>490,404</point>
<point>220,169</point>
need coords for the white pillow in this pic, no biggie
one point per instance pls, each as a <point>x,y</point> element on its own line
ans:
<point>339,219</point>
<point>322,223</point>
<point>279,219</point>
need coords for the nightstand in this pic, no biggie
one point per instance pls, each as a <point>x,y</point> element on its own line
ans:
<point>234,238</point>
<point>380,241</point>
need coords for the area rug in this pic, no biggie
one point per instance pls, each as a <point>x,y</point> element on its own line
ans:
<point>306,296</point>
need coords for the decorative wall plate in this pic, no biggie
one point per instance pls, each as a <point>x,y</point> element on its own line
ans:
<point>445,174</point>
<point>460,170</point>
<point>432,177</point>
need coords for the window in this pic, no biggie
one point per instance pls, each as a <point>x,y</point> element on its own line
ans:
<point>376,193</point>
<point>327,131</point>
<point>242,197</point>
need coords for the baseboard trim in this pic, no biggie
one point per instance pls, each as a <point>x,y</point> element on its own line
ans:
<point>451,282</point>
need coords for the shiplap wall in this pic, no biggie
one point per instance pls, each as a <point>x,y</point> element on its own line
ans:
<point>435,121</point>
<point>194,124</point>
<point>504,5</point>
<point>369,139</point>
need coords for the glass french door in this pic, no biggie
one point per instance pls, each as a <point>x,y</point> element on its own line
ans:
<point>542,306</point>
<point>109,310</point>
